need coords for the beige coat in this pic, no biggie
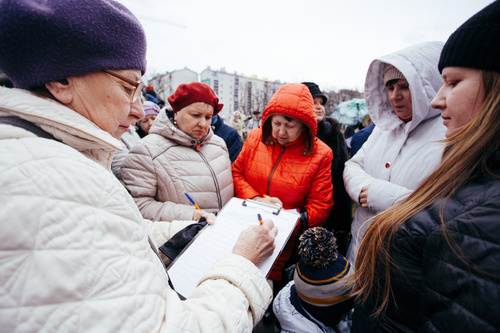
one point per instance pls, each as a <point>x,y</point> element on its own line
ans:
<point>168,163</point>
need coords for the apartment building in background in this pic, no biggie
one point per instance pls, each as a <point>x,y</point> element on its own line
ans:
<point>166,84</point>
<point>237,92</point>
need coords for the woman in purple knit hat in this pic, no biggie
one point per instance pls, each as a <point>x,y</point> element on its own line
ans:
<point>75,252</point>
<point>151,110</point>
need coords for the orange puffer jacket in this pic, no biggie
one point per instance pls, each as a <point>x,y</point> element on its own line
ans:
<point>299,181</point>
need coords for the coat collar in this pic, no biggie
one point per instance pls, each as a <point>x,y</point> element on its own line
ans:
<point>62,122</point>
<point>164,126</point>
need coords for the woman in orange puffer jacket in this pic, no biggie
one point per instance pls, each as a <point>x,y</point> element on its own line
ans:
<point>282,162</point>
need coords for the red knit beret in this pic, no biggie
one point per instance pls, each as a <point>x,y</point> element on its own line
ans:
<point>187,94</point>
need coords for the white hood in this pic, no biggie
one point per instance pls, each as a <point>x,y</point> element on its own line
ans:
<point>419,65</point>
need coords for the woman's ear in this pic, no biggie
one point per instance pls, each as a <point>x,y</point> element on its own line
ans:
<point>62,90</point>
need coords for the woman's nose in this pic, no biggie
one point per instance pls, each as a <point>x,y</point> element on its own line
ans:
<point>397,92</point>
<point>137,111</point>
<point>203,122</point>
<point>438,101</point>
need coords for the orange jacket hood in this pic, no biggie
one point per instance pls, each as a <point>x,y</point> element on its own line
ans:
<point>293,100</point>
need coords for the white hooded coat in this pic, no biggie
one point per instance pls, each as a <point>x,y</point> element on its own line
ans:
<point>397,156</point>
<point>74,250</point>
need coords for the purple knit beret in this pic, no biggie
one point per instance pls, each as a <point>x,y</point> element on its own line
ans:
<point>151,108</point>
<point>45,41</point>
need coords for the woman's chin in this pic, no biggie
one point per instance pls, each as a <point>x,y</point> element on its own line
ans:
<point>198,135</point>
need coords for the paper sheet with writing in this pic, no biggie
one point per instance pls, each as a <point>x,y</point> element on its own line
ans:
<point>217,241</point>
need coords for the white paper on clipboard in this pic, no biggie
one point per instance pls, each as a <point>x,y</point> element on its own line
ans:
<point>217,241</point>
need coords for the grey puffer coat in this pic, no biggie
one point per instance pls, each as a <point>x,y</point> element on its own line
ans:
<point>168,163</point>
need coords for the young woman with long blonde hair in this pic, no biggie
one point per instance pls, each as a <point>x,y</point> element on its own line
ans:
<point>432,262</point>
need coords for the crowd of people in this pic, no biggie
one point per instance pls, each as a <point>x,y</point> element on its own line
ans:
<point>398,228</point>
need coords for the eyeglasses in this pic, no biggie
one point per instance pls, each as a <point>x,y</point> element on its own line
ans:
<point>136,84</point>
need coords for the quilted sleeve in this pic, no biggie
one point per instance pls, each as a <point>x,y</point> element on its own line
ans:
<point>381,194</point>
<point>319,199</point>
<point>141,178</point>
<point>247,278</point>
<point>355,176</point>
<point>75,256</point>
<point>231,297</point>
<point>462,286</point>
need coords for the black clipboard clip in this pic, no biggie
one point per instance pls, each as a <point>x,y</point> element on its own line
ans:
<point>277,212</point>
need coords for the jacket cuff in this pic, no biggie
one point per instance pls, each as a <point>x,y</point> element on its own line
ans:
<point>243,274</point>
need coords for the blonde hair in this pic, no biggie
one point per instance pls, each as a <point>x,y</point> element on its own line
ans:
<point>473,151</point>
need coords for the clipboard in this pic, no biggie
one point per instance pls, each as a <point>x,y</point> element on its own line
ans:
<point>217,241</point>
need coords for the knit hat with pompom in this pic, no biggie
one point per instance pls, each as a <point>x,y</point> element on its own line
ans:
<point>320,270</point>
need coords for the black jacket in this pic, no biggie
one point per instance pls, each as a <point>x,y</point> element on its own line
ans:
<point>229,135</point>
<point>434,289</point>
<point>340,217</point>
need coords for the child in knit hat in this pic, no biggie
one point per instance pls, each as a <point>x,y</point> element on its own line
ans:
<point>318,298</point>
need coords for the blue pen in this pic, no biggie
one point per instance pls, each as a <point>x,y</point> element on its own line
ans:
<point>260,219</point>
<point>192,201</point>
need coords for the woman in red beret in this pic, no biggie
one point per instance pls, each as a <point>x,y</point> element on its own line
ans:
<point>181,155</point>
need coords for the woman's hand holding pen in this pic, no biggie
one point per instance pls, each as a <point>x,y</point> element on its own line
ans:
<point>210,217</point>
<point>257,242</point>
<point>198,212</point>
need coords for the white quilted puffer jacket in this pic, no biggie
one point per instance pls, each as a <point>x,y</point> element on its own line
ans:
<point>74,250</point>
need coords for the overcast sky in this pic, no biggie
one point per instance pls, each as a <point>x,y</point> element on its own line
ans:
<point>329,42</point>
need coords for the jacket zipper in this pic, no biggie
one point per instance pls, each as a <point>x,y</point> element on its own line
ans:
<point>214,177</point>
<point>274,168</point>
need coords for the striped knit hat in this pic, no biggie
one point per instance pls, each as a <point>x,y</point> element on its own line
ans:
<point>320,269</point>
